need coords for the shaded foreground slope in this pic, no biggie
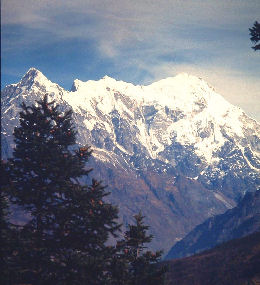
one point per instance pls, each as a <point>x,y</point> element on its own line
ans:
<point>238,222</point>
<point>234,262</point>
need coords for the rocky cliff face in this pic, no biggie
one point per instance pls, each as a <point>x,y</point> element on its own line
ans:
<point>174,149</point>
<point>238,222</point>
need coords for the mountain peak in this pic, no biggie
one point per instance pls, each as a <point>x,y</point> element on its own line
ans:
<point>75,85</point>
<point>107,80</point>
<point>146,135</point>
<point>33,75</point>
<point>33,70</point>
<point>106,77</point>
<point>180,79</point>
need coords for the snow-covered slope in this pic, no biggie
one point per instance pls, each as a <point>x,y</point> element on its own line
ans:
<point>175,127</point>
<point>183,108</point>
<point>169,120</point>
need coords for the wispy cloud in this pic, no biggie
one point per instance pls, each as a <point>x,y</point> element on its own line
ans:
<point>140,41</point>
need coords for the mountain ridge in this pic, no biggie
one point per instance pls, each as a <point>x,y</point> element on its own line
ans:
<point>237,222</point>
<point>172,151</point>
<point>232,262</point>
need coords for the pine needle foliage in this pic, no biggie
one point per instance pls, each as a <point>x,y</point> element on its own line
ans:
<point>255,35</point>
<point>135,264</point>
<point>64,242</point>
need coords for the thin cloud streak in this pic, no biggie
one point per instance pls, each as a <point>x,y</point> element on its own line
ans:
<point>142,41</point>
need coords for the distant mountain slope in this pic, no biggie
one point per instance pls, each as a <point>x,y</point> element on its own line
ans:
<point>174,149</point>
<point>232,263</point>
<point>235,223</point>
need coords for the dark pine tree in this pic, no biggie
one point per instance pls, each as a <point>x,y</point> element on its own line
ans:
<point>65,240</point>
<point>255,35</point>
<point>4,228</point>
<point>134,264</point>
<point>9,232</point>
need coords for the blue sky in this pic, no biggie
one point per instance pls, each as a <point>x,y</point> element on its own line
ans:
<point>138,41</point>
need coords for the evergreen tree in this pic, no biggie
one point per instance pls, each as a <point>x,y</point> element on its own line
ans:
<point>4,228</point>
<point>64,241</point>
<point>9,232</point>
<point>135,265</point>
<point>255,35</point>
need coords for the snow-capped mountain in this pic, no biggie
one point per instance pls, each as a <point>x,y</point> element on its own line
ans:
<point>175,149</point>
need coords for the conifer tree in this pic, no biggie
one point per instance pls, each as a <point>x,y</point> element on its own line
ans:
<point>135,265</point>
<point>64,241</point>
<point>255,35</point>
<point>4,228</point>
<point>9,232</point>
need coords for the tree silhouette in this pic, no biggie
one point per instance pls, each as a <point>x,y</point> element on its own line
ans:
<point>65,240</point>
<point>255,35</point>
<point>135,265</point>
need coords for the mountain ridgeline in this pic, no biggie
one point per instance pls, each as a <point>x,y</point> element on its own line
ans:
<point>174,149</point>
<point>238,222</point>
<point>233,262</point>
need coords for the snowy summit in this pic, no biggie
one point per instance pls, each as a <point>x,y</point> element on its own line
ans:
<point>145,138</point>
